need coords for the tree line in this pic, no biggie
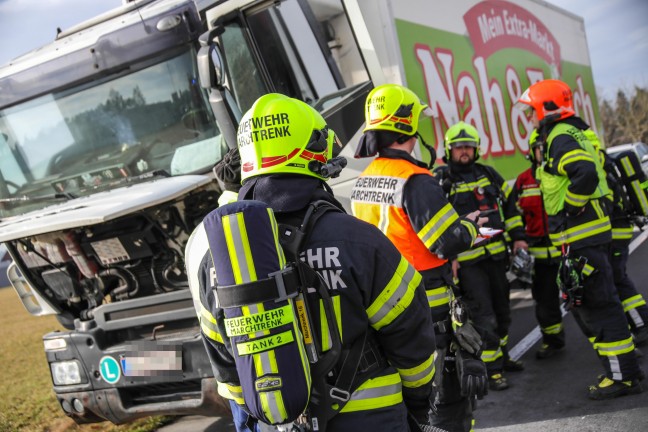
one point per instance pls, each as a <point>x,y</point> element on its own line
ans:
<point>626,119</point>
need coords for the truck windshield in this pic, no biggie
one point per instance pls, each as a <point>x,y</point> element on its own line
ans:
<point>99,135</point>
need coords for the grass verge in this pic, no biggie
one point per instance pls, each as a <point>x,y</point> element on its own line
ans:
<point>27,401</point>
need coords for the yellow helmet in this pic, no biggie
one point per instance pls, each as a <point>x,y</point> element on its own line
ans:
<point>392,107</point>
<point>462,134</point>
<point>282,135</point>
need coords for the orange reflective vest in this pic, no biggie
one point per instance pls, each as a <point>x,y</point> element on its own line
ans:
<point>377,198</point>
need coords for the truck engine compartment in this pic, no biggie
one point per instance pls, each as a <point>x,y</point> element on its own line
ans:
<point>134,256</point>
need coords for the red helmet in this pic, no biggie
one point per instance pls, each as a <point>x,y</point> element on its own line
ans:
<point>551,99</point>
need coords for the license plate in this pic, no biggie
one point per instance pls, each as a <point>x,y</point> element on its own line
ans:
<point>152,363</point>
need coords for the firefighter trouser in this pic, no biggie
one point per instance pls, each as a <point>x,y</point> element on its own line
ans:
<point>601,316</point>
<point>486,292</point>
<point>633,303</point>
<point>451,411</point>
<point>546,294</point>
<point>388,418</point>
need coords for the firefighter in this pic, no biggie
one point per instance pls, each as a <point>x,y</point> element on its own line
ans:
<point>545,291</point>
<point>399,195</point>
<point>481,271</point>
<point>574,188</point>
<point>286,153</point>
<point>633,302</point>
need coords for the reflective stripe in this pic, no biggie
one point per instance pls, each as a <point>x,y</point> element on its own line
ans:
<point>503,341</point>
<point>611,349</point>
<point>553,329</point>
<point>275,235</point>
<point>512,223</point>
<point>239,248</point>
<point>571,157</point>
<point>395,297</point>
<point>621,233</point>
<point>530,193</point>
<point>493,248</point>
<point>627,167</point>
<point>544,252</point>
<point>236,392</point>
<point>272,404</point>
<point>507,189</point>
<point>588,270</point>
<point>580,232</point>
<point>208,325</point>
<point>471,229</point>
<point>439,296</point>
<point>327,341</point>
<point>469,187</point>
<point>438,225</point>
<point>576,200</point>
<point>375,393</point>
<point>597,208</point>
<point>641,195</point>
<point>418,375</point>
<point>383,222</point>
<point>489,356</point>
<point>633,302</point>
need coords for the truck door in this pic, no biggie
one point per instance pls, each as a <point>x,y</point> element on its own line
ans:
<point>301,51</point>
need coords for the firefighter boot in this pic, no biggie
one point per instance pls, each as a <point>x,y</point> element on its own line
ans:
<point>511,365</point>
<point>610,389</point>
<point>547,351</point>
<point>497,382</point>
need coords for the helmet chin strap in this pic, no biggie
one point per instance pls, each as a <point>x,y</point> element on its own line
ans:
<point>430,149</point>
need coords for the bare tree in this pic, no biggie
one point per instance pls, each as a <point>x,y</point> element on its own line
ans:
<point>627,120</point>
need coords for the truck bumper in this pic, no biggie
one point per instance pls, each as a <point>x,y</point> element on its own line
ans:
<point>136,358</point>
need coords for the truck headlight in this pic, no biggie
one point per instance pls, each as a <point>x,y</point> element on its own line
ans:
<point>66,372</point>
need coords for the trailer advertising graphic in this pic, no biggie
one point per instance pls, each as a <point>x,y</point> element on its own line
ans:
<point>478,74</point>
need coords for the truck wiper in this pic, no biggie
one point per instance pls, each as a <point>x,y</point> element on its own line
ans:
<point>40,198</point>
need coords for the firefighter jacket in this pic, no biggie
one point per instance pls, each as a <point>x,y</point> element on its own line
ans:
<point>401,197</point>
<point>528,198</point>
<point>373,289</point>
<point>573,187</point>
<point>622,226</point>
<point>479,187</point>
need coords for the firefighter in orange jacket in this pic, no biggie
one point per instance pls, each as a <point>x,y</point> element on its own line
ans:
<point>398,194</point>
<point>545,291</point>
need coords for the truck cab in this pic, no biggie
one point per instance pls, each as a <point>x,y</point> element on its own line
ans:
<point>108,137</point>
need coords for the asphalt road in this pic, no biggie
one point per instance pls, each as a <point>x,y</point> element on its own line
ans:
<point>549,395</point>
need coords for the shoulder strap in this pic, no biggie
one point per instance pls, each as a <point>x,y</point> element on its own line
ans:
<point>292,238</point>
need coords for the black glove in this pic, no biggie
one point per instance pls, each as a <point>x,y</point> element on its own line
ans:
<point>467,338</point>
<point>473,376</point>
<point>465,334</point>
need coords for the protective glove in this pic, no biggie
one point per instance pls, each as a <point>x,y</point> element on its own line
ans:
<point>472,374</point>
<point>465,335</point>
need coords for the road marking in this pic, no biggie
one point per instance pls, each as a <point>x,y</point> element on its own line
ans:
<point>535,335</point>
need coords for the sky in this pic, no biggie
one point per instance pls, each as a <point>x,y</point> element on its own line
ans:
<point>617,33</point>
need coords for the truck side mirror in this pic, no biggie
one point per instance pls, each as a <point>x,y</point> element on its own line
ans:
<point>210,60</point>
